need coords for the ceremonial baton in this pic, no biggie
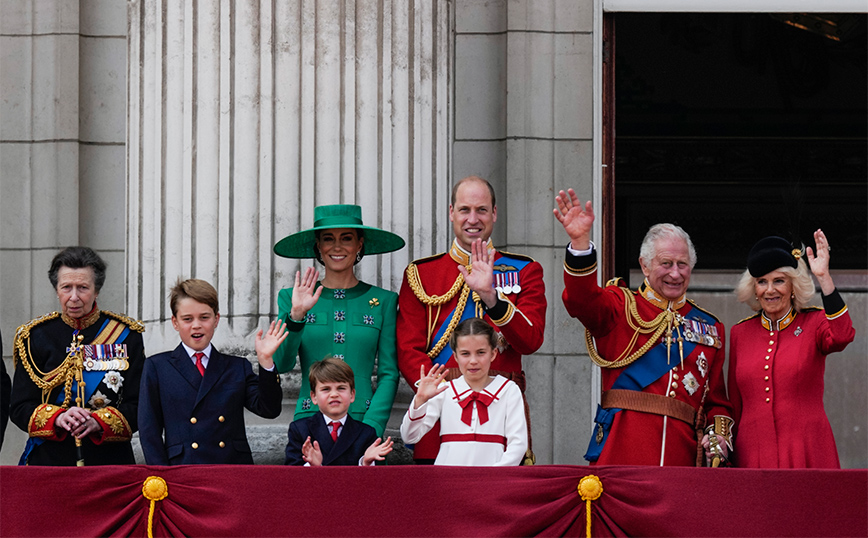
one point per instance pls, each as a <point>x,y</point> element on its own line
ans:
<point>79,397</point>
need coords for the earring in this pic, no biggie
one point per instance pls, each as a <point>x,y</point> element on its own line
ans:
<point>358,256</point>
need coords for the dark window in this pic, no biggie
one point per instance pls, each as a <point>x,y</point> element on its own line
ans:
<point>738,126</point>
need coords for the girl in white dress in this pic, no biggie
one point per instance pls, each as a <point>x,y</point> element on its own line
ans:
<point>482,420</point>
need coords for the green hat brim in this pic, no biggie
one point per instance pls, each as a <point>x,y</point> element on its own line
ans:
<point>300,244</point>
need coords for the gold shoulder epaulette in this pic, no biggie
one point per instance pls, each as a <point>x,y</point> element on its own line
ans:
<point>429,258</point>
<point>617,281</point>
<point>748,318</point>
<point>23,333</point>
<point>704,310</point>
<point>133,324</point>
<point>517,256</point>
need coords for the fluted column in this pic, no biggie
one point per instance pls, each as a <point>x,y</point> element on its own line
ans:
<point>245,115</point>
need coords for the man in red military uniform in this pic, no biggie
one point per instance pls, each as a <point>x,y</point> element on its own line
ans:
<point>471,280</point>
<point>661,355</point>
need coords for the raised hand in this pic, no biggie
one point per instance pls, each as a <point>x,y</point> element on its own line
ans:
<point>820,262</point>
<point>430,384</point>
<point>305,293</point>
<point>480,278</point>
<point>266,345</point>
<point>377,451</point>
<point>311,453</point>
<point>576,220</point>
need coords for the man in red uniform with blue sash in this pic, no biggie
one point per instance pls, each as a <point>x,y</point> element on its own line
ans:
<point>661,355</point>
<point>471,280</point>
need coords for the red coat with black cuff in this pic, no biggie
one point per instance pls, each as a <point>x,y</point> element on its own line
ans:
<point>776,385</point>
<point>638,438</point>
<point>520,318</point>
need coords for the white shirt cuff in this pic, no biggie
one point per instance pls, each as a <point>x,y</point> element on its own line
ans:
<point>575,252</point>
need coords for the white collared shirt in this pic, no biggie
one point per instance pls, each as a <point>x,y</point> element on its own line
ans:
<point>191,352</point>
<point>328,423</point>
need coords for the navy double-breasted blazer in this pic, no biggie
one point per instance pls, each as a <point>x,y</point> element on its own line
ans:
<point>354,439</point>
<point>202,417</point>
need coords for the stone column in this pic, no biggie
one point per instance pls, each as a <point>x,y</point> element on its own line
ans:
<point>524,120</point>
<point>245,115</point>
<point>61,148</point>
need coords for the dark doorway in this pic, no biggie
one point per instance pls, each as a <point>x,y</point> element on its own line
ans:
<point>738,126</point>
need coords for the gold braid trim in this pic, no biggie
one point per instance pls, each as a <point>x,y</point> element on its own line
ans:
<point>23,333</point>
<point>415,283</point>
<point>45,381</point>
<point>431,300</point>
<point>133,324</point>
<point>117,423</point>
<point>658,326</point>
<point>456,317</point>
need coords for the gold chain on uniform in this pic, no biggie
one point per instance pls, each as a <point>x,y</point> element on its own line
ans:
<point>439,300</point>
<point>62,375</point>
<point>658,326</point>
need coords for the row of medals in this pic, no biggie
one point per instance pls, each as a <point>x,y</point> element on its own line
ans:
<point>507,283</point>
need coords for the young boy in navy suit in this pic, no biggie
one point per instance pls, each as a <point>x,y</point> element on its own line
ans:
<point>196,396</point>
<point>331,436</point>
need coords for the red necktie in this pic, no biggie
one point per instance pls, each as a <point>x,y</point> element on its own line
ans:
<point>482,401</point>
<point>335,426</point>
<point>199,355</point>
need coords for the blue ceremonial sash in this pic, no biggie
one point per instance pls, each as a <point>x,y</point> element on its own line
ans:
<point>653,365</point>
<point>446,353</point>
<point>470,309</point>
<point>91,380</point>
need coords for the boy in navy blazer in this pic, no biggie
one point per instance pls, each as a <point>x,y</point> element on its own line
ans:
<point>196,396</point>
<point>331,436</point>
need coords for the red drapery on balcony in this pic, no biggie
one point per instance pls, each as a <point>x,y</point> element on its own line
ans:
<point>263,501</point>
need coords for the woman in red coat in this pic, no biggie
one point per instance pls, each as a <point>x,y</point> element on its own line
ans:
<point>778,357</point>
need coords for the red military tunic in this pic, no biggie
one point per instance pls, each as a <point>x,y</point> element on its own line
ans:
<point>776,386</point>
<point>635,437</point>
<point>519,317</point>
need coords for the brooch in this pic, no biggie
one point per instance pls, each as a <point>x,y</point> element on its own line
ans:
<point>798,331</point>
<point>702,364</point>
<point>690,383</point>
<point>374,302</point>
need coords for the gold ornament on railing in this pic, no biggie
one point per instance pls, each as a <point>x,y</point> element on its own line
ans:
<point>590,489</point>
<point>154,489</point>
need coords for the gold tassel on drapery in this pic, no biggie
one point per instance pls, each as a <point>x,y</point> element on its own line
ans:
<point>154,489</point>
<point>590,488</point>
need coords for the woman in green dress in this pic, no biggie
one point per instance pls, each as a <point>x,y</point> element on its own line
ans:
<point>341,316</point>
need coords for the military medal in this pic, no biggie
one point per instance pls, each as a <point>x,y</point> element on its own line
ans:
<point>105,357</point>
<point>498,282</point>
<point>515,287</point>
<point>508,288</point>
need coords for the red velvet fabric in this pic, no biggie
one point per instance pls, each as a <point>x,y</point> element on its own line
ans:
<point>211,500</point>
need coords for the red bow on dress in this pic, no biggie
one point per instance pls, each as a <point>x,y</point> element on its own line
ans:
<point>483,400</point>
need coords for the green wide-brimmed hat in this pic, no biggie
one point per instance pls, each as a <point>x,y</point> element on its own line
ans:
<point>326,217</point>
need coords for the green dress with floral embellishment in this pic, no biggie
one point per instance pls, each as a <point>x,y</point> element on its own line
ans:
<point>356,325</point>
